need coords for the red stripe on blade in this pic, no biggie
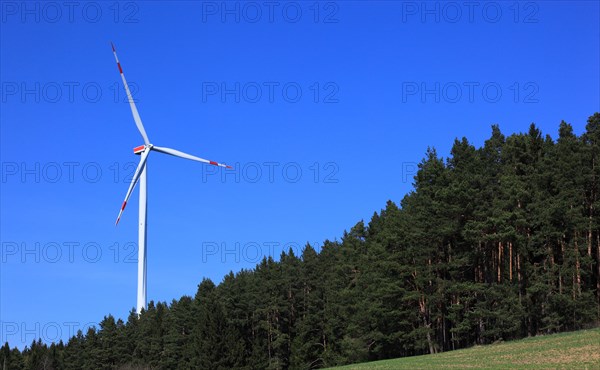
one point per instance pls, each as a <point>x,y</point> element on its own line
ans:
<point>123,206</point>
<point>120,69</point>
<point>213,163</point>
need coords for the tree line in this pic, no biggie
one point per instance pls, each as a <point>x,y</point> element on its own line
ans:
<point>493,243</point>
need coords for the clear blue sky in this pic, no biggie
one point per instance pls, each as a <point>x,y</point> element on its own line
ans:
<point>323,109</point>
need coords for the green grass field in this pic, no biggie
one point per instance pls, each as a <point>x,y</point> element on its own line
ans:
<point>575,350</point>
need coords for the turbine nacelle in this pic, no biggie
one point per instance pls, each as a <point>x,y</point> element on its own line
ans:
<point>139,149</point>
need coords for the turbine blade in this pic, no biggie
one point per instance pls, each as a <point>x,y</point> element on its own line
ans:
<point>134,111</point>
<point>179,154</point>
<point>134,180</point>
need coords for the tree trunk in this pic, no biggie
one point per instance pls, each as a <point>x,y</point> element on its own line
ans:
<point>598,268</point>
<point>510,261</point>
<point>562,255</point>
<point>519,277</point>
<point>577,266</point>
<point>426,323</point>
<point>499,261</point>
<point>551,274</point>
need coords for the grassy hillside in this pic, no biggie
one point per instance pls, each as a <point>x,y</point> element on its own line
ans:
<point>580,349</point>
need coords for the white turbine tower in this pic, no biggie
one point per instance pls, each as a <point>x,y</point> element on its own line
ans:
<point>140,174</point>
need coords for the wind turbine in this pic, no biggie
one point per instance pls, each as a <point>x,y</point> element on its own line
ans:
<point>140,174</point>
